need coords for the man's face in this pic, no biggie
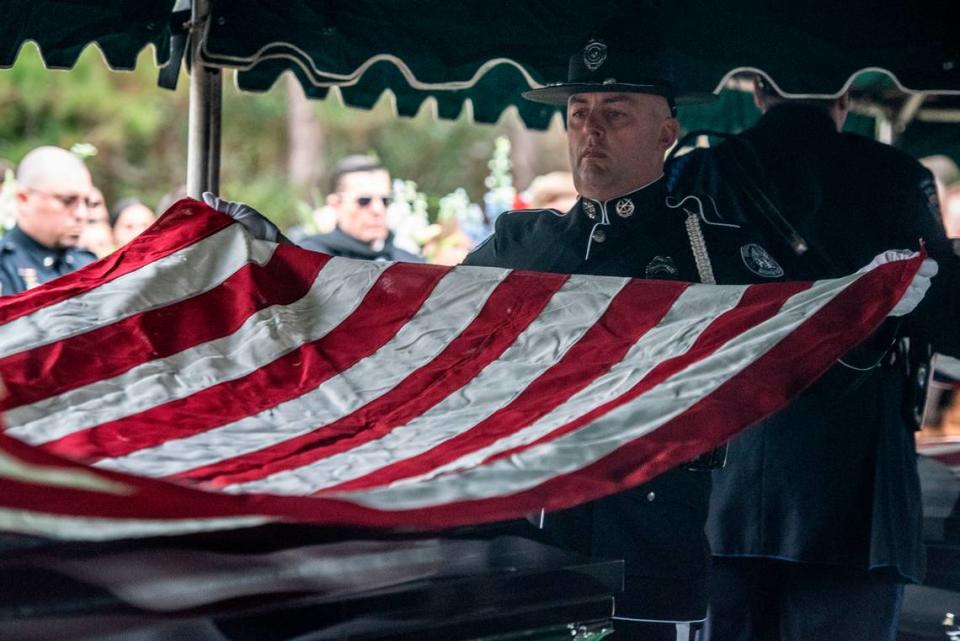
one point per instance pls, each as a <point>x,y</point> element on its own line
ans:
<point>53,210</point>
<point>617,141</point>
<point>361,203</point>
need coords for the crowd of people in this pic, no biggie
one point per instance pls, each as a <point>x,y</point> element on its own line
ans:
<point>362,217</point>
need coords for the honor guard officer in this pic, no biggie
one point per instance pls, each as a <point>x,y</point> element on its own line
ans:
<point>620,123</point>
<point>53,193</point>
<point>816,519</point>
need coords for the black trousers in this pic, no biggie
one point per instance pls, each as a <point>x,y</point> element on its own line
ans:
<point>755,599</point>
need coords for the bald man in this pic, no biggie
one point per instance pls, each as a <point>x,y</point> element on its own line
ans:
<point>54,192</point>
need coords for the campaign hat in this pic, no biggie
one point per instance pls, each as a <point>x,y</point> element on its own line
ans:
<point>619,65</point>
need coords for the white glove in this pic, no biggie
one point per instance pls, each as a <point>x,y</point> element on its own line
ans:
<point>255,222</point>
<point>917,288</point>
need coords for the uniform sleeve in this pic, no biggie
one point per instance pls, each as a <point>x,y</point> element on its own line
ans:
<point>485,254</point>
<point>937,318</point>
<point>8,285</point>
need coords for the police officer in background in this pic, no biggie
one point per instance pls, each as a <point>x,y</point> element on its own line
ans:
<point>816,519</point>
<point>53,193</point>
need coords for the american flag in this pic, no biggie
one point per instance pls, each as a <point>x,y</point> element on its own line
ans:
<point>200,379</point>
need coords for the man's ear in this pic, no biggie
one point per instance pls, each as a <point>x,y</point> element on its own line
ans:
<point>669,130</point>
<point>333,200</point>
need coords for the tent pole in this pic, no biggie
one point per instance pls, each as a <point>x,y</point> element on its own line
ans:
<point>203,126</point>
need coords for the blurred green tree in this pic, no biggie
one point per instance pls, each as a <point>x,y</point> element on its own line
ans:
<point>139,132</point>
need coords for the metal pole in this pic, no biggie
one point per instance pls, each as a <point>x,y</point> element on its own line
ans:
<point>213,130</point>
<point>203,125</point>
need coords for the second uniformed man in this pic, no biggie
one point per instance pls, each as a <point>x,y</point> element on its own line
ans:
<point>53,192</point>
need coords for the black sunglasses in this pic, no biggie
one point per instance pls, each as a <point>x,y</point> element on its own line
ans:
<point>364,201</point>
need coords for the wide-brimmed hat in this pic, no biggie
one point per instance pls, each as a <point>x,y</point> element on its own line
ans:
<point>617,65</point>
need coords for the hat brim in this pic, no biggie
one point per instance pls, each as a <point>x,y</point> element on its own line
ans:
<point>558,94</point>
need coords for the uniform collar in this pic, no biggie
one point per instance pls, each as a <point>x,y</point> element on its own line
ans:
<point>625,208</point>
<point>16,237</point>
<point>341,241</point>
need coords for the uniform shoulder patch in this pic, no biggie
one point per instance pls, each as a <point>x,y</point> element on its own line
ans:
<point>759,261</point>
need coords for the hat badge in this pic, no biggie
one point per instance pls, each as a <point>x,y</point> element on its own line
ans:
<point>594,54</point>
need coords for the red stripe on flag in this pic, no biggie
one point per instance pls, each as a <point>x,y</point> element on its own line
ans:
<point>185,223</point>
<point>524,294</point>
<point>635,310</point>
<point>758,304</point>
<point>846,319</point>
<point>111,350</point>
<point>397,295</point>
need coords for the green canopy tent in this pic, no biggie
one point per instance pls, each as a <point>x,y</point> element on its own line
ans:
<point>62,29</point>
<point>488,51</point>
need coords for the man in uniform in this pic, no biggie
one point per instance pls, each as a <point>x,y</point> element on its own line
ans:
<point>816,519</point>
<point>360,196</point>
<point>53,193</point>
<point>620,122</point>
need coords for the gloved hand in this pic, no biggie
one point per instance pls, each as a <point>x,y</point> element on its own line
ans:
<point>255,222</point>
<point>917,288</point>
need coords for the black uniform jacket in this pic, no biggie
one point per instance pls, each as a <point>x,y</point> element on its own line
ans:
<point>25,263</point>
<point>657,528</point>
<point>832,478</point>
<point>338,243</point>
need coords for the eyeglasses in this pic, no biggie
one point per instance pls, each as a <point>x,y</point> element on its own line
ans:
<point>70,201</point>
<point>364,201</point>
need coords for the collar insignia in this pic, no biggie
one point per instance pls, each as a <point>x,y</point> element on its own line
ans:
<point>625,208</point>
<point>589,209</point>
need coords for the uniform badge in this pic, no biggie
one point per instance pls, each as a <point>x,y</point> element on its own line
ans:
<point>590,209</point>
<point>661,267</point>
<point>29,276</point>
<point>625,208</point>
<point>760,262</point>
<point>594,54</point>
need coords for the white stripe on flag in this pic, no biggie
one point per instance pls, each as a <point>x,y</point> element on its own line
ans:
<point>106,529</point>
<point>49,475</point>
<point>452,305</point>
<point>571,452</point>
<point>572,310</point>
<point>212,261</point>
<point>264,337</point>
<point>680,327</point>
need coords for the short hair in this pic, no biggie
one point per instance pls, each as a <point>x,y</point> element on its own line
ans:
<point>120,205</point>
<point>44,162</point>
<point>351,165</point>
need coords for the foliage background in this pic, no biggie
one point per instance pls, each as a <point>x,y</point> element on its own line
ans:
<point>140,133</point>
